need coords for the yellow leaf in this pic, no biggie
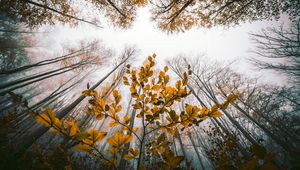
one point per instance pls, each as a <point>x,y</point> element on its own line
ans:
<point>135,129</point>
<point>94,93</point>
<point>147,87</point>
<point>115,93</point>
<point>112,151</point>
<point>216,114</point>
<point>156,87</point>
<point>86,92</point>
<point>178,84</point>
<point>102,103</point>
<point>126,119</point>
<point>119,108</point>
<point>116,96</point>
<point>95,135</point>
<point>231,98</point>
<point>73,129</point>
<point>189,109</point>
<point>137,106</point>
<point>43,119</point>
<point>204,111</point>
<point>81,135</point>
<point>115,140</point>
<point>134,95</point>
<point>47,118</point>
<point>83,148</point>
<point>100,116</point>
<point>52,130</point>
<point>132,89</point>
<point>128,157</point>
<point>112,161</point>
<point>113,124</point>
<point>166,68</point>
<point>119,139</point>
<point>128,139</point>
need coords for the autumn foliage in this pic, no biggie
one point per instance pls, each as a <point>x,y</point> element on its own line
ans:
<point>154,100</point>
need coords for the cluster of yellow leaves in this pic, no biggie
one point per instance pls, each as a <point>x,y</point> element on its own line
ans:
<point>153,99</point>
<point>117,143</point>
<point>170,160</point>
<point>90,138</point>
<point>154,96</point>
<point>70,129</point>
<point>195,115</point>
<point>118,140</point>
<point>158,146</point>
<point>101,109</point>
<point>231,98</point>
<point>160,149</point>
<point>132,154</point>
<point>48,119</point>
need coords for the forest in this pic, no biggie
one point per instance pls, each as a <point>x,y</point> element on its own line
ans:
<point>86,105</point>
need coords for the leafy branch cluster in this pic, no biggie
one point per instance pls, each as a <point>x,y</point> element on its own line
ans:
<point>154,101</point>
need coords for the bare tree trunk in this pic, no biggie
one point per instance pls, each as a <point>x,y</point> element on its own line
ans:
<point>182,148</point>
<point>196,150</point>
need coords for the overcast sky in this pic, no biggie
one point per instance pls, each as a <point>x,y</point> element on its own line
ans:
<point>217,43</point>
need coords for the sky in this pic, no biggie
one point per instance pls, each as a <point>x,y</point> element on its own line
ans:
<point>217,43</point>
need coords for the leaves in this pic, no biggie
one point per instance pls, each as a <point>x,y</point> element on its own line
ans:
<point>166,68</point>
<point>86,92</point>
<point>132,154</point>
<point>119,139</point>
<point>72,128</point>
<point>82,135</point>
<point>216,114</point>
<point>48,119</point>
<point>153,98</point>
<point>113,124</point>
<point>95,135</point>
<point>170,160</point>
<point>117,96</point>
<point>128,157</point>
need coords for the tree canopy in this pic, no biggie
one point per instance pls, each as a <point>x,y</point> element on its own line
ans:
<point>169,15</point>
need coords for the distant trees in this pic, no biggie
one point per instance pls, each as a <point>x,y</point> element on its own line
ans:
<point>279,50</point>
<point>12,45</point>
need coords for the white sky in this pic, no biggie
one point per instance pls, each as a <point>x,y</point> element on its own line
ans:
<point>217,43</point>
